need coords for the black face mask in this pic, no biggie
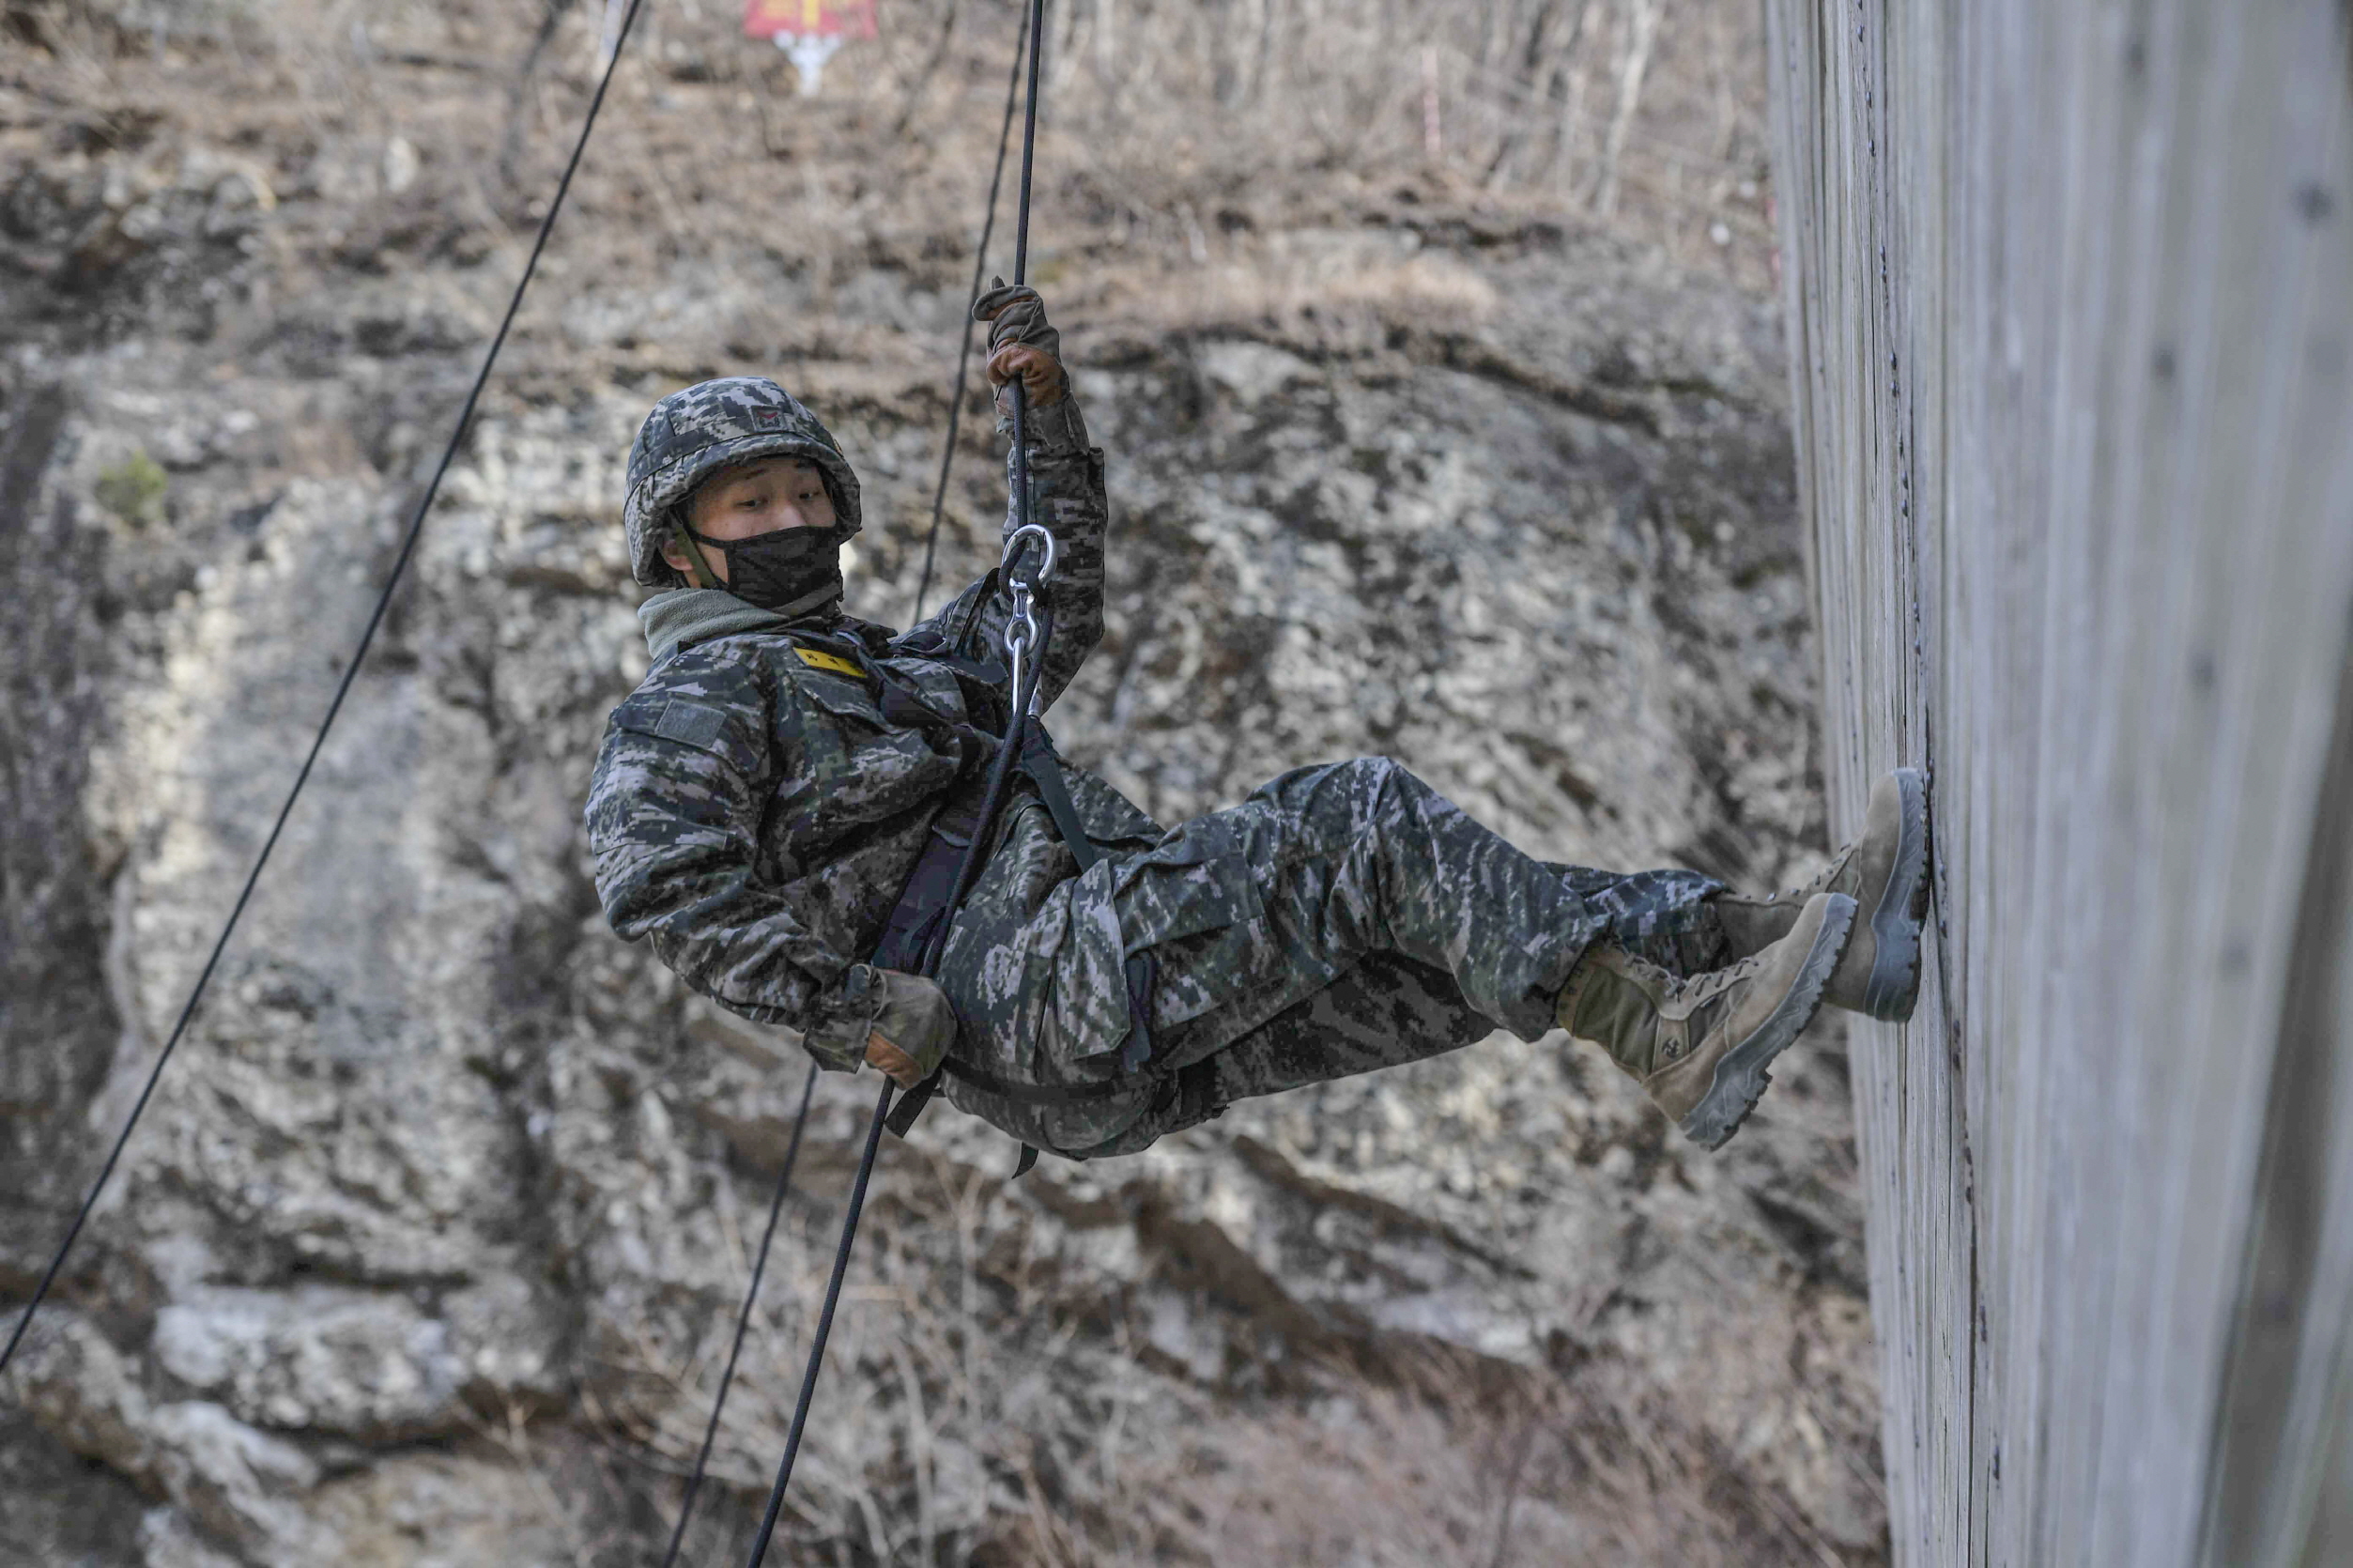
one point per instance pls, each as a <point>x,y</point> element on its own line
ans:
<point>786,568</point>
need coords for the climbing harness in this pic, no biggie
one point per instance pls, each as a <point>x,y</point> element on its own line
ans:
<point>343,687</point>
<point>1027,749</point>
<point>1026,637</point>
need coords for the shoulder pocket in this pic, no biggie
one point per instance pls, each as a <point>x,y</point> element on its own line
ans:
<point>699,725</point>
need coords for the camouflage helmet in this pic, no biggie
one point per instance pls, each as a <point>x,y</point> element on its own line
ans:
<point>693,434</point>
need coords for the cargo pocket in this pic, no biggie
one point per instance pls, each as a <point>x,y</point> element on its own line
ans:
<point>1194,904</point>
<point>867,769</point>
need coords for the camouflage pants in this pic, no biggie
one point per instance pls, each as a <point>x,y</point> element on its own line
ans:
<point>1343,918</point>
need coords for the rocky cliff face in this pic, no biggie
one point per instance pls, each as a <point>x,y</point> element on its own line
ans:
<point>428,1250</point>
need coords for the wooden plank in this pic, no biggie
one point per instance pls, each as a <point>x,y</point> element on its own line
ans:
<point>2071,302</point>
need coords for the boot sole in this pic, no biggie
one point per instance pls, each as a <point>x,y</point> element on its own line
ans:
<point>1740,1077</point>
<point>1894,985</point>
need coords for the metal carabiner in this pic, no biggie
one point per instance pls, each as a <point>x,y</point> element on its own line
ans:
<point>1021,627</point>
<point>1017,654</point>
<point>1013,548</point>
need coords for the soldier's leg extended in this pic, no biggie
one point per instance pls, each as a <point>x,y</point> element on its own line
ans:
<point>1699,1043</point>
<point>1256,909</point>
<point>1385,1012</point>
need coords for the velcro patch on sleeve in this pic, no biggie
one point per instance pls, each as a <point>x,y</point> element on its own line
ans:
<point>817,658</point>
<point>691,724</point>
<point>706,722</point>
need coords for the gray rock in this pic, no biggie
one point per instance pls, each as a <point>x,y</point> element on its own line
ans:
<point>430,1245</point>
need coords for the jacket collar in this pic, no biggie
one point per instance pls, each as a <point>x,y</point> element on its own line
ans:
<point>683,617</point>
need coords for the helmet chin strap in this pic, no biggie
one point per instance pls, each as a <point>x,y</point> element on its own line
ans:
<point>698,567</point>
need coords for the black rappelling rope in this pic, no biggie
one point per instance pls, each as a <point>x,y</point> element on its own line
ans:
<point>343,690</point>
<point>964,353</point>
<point>931,546</point>
<point>1000,776</point>
<point>824,1327</point>
<point>744,1318</point>
<point>1020,706</point>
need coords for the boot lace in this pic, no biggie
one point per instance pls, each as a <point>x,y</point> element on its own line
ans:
<point>1699,988</point>
<point>1820,883</point>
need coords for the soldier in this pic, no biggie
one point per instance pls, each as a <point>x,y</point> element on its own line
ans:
<point>767,804</point>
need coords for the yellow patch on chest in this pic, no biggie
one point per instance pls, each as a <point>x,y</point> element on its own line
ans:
<point>817,658</point>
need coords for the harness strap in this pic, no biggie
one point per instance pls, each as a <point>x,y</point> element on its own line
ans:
<point>922,910</point>
<point>911,1105</point>
<point>1043,765</point>
<point>923,902</point>
<point>1038,1094</point>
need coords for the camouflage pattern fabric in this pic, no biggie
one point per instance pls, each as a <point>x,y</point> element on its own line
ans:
<point>1344,918</point>
<point>1653,916</point>
<point>762,798</point>
<point>694,433</point>
<point>1387,1011</point>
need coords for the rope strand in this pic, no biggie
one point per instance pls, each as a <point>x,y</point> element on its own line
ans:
<point>1029,140</point>
<point>825,1328</point>
<point>343,690</point>
<point>744,1318</point>
<point>1022,702</point>
<point>1021,252</point>
<point>963,354</point>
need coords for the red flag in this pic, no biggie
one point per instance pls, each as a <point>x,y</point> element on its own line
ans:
<point>808,19</point>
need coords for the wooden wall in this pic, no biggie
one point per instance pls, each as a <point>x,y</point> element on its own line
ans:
<point>2071,300</point>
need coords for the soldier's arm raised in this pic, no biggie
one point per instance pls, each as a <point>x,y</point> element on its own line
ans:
<point>1066,480</point>
<point>1065,490</point>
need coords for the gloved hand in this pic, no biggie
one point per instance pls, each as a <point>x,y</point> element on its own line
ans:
<point>913,1028</point>
<point>1022,344</point>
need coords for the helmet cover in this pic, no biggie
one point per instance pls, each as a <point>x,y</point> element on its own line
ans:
<point>693,434</point>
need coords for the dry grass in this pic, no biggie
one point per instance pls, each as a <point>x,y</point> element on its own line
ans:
<point>1010,1418</point>
<point>1178,135</point>
<point>1314,292</point>
<point>1204,161</point>
<point>1436,1464</point>
<point>1644,113</point>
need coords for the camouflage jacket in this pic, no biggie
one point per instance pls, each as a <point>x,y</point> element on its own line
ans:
<point>763,796</point>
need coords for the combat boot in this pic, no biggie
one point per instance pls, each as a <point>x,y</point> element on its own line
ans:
<point>1699,1046</point>
<point>1886,872</point>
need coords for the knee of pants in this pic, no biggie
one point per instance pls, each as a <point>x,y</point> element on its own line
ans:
<point>1385,788</point>
<point>1188,1099</point>
<point>1367,781</point>
<point>1339,803</point>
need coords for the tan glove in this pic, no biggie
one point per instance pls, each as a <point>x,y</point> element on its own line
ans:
<point>913,1028</point>
<point>1021,342</point>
